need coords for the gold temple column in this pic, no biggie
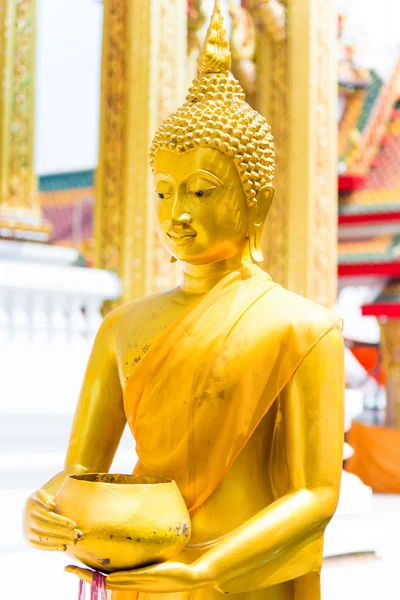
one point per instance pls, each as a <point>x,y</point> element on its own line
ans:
<point>143,80</point>
<point>298,92</point>
<point>20,213</point>
<point>390,342</point>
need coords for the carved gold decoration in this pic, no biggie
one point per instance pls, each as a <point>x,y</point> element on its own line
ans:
<point>142,82</point>
<point>390,340</point>
<point>273,14</point>
<point>197,17</point>
<point>321,283</point>
<point>394,127</point>
<point>347,125</point>
<point>109,216</point>
<point>298,65</point>
<point>20,213</point>
<point>243,48</point>
<point>272,101</point>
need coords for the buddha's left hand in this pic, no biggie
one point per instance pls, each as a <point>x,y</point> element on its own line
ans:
<point>162,578</point>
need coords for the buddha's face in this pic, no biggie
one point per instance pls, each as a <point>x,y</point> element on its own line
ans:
<point>201,205</point>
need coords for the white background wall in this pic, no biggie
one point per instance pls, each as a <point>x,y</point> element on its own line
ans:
<point>375,29</point>
<point>67,84</point>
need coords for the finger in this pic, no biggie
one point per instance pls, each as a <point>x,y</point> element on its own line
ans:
<point>40,546</point>
<point>46,499</point>
<point>126,581</point>
<point>45,529</point>
<point>48,540</point>
<point>51,517</point>
<point>143,574</point>
<point>120,577</point>
<point>129,585</point>
<point>50,525</point>
<point>84,574</point>
<point>120,587</point>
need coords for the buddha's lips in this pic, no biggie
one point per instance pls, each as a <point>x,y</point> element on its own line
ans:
<point>181,239</point>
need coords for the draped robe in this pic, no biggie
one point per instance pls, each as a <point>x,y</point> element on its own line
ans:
<point>198,394</point>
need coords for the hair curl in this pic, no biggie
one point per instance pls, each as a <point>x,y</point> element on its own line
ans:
<point>216,115</point>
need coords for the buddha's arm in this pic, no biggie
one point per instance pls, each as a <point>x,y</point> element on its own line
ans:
<point>99,418</point>
<point>313,430</point>
<point>97,429</point>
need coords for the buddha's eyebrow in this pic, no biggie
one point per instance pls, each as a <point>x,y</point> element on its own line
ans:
<point>161,176</point>
<point>201,173</point>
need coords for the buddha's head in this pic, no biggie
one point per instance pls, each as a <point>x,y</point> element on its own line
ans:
<point>213,165</point>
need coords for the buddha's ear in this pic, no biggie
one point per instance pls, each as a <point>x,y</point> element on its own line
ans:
<point>258,212</point>
<point>264,200</point>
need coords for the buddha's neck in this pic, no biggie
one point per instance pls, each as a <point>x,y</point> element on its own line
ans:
<point>200,279</point>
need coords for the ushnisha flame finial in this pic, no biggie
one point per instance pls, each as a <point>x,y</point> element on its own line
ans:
<point>215,56</point>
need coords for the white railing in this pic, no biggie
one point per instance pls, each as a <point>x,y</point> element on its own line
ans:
<point>49,315</point>
<point>52,302</point>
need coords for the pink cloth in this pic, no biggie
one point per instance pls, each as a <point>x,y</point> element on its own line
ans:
<point>98,588</point>
<point>82,590</point>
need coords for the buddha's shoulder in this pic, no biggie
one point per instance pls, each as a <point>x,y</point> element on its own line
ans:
<point>138,311</point>
<point>290,309</point>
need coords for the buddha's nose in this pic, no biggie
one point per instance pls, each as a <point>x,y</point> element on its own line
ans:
<point>182,219</point>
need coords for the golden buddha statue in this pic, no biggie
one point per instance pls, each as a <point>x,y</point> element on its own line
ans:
<point>231,385</point>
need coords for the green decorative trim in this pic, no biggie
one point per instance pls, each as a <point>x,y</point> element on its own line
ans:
<point>66,181</point>
<point>387,298</point>
<point>367,257</point>
<point>368,209</point>
<point>369,103</point>
<point>370,100</point>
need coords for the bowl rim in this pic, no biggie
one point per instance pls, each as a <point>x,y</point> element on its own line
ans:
<point>85,478</point>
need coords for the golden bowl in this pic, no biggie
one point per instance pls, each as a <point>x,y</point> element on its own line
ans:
<point>127,521</point>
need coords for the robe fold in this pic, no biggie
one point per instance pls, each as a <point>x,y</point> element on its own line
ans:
<point>198,394</point>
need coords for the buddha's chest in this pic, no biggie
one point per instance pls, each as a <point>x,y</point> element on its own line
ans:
<point>218,361</point>
<point>136,339</point>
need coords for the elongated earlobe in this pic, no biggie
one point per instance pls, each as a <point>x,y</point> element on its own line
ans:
<point>258,212</point>
<point>255,234</point>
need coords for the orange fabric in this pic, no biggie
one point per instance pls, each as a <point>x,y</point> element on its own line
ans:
<point>376,458</point>
<point>369,358</point>
<point>198,394</point>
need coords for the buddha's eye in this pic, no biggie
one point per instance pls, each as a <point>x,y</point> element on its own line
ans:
<point>203,192</point>
<point>200,187</point>
<point>164,195</point>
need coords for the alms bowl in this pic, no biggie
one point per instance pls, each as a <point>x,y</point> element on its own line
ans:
<point>127,521</point>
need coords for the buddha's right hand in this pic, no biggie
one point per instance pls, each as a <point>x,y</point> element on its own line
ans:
<point>44,529</point>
